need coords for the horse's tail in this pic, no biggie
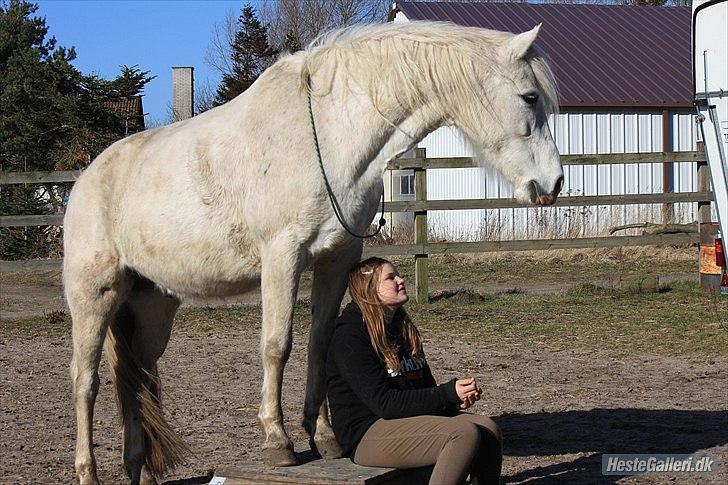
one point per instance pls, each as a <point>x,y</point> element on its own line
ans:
<point>139,391</point>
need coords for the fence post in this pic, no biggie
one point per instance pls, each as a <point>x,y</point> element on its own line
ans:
<point>421,283</point>
<point>703,186</point>
<point>668,209</point>
<point>709,272</point>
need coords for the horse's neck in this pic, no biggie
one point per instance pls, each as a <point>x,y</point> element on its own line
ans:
<point>358,140</point>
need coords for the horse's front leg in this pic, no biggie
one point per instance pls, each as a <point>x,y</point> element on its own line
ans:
<point>329,285</point>
<point>279,286</point>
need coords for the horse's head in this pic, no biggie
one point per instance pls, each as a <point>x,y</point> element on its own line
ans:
<point>507,122</point>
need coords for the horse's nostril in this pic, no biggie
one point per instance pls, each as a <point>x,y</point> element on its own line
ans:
<point>559,185</point>
<point>534,191</point>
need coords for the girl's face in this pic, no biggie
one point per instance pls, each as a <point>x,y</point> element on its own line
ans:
<point>391,289</point>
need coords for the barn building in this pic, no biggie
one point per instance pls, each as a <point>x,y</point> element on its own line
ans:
<point>624,82</point>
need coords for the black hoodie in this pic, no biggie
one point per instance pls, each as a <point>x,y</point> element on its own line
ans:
<point>361,390</point>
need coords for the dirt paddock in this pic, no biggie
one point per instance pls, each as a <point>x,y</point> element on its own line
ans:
<point>559,409</point>
<point>560,406</point>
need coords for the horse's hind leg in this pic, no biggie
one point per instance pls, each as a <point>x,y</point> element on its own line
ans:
<point>145,324</point>
<point>94,290</point>
<point>279,284</point>
<point>329,285</point>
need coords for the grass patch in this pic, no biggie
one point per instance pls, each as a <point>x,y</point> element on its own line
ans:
<point>520,271</point>
<point>460,295</point>
<point>684,320</point>
<point>680,320</point>
<point>596,313</point>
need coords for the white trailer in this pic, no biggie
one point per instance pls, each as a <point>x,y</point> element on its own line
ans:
<point>710,83</point>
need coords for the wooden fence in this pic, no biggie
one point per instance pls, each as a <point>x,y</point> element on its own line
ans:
<point>421,248</point>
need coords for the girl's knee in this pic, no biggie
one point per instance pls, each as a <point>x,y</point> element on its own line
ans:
<point>466,432</point>
<point>495,431</point>
<point>485,423</point>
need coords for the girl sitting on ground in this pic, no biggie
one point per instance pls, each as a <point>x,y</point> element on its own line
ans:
<point>386,408</point>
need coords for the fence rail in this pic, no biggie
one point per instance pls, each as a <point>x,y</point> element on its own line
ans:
<point>421,249</point>
<point>582,200</point>
<point>453,204</point>
<point>592,159</point>
<point>7,178</point>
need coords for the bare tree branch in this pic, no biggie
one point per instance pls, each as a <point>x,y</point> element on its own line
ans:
<point>219,54</point>
<point>306,19</point>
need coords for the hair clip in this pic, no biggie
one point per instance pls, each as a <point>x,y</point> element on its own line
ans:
<point>367,272</point>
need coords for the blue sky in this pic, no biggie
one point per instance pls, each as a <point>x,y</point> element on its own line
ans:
<point>156,35</point>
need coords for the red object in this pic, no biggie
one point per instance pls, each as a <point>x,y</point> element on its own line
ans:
<point>720,254</point>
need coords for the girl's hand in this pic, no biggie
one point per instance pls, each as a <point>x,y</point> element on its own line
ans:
<point>468,392</point>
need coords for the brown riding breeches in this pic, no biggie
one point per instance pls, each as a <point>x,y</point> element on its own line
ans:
<point>466,443</point>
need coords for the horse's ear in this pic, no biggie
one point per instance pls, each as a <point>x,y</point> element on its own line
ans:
<point>518,46</point>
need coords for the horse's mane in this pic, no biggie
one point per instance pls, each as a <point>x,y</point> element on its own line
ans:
<point>444,49</point>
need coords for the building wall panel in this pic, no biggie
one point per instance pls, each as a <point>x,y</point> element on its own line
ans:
<point>617,131</point>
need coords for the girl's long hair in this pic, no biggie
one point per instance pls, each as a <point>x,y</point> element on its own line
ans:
<point>363,283</point>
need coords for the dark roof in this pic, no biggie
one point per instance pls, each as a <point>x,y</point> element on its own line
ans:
<point>130,107</point>
<point>601,55</point>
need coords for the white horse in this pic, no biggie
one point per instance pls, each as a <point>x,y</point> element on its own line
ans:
<point>216,204</point>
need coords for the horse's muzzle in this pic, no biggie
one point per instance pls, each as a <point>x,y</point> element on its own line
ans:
<point>541,197</point>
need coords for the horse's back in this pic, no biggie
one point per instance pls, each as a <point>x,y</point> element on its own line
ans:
<point>142,203</point>
<point>191,205</point>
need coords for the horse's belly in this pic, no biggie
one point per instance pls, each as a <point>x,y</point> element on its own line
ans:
<point>199,278</point>
<point>188,266</point>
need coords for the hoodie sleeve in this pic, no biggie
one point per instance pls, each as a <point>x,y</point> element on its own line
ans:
<point>428,377</point>
<point>363,371</point>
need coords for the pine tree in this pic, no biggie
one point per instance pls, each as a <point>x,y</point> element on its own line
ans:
<point>251,56</point>
<point>52,117</point>
<point>290,43</point>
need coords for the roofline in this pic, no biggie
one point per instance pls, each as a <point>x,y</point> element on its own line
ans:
<point>393,11</point>
<point>677,105</point>
<point>627,105</point>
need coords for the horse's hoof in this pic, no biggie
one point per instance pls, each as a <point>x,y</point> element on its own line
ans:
<point>86,474</point>
<point>277,457</point>
<point>88,480</point>
<point>147,478</point>
<point>328,447</point>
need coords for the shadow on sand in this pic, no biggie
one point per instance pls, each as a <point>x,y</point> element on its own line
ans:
<point>600,431</point>
<point>596,431</point>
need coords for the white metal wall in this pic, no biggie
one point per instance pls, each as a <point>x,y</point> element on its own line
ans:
<point>575,132</point>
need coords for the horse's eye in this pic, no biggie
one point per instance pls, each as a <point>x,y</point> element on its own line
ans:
<point>530,98</point>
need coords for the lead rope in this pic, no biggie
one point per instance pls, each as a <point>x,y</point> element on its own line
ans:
<point>332,198</point>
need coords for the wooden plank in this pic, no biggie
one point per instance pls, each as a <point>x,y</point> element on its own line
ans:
<point>59,176</point>
<point>31,265</point>
<point>423,206</point>
<point>425,163</point>
<point>621,158</point>
<point>578,201</point>
<point>531,245</point>
<point>23,221</point>
<point>595,159</point>
<point>7,178</point>
<point>421,280</point>
<point>318,472</point>
<point>313,470</point>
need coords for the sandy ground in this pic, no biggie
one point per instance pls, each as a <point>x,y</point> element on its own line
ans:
<point>559,409</point>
